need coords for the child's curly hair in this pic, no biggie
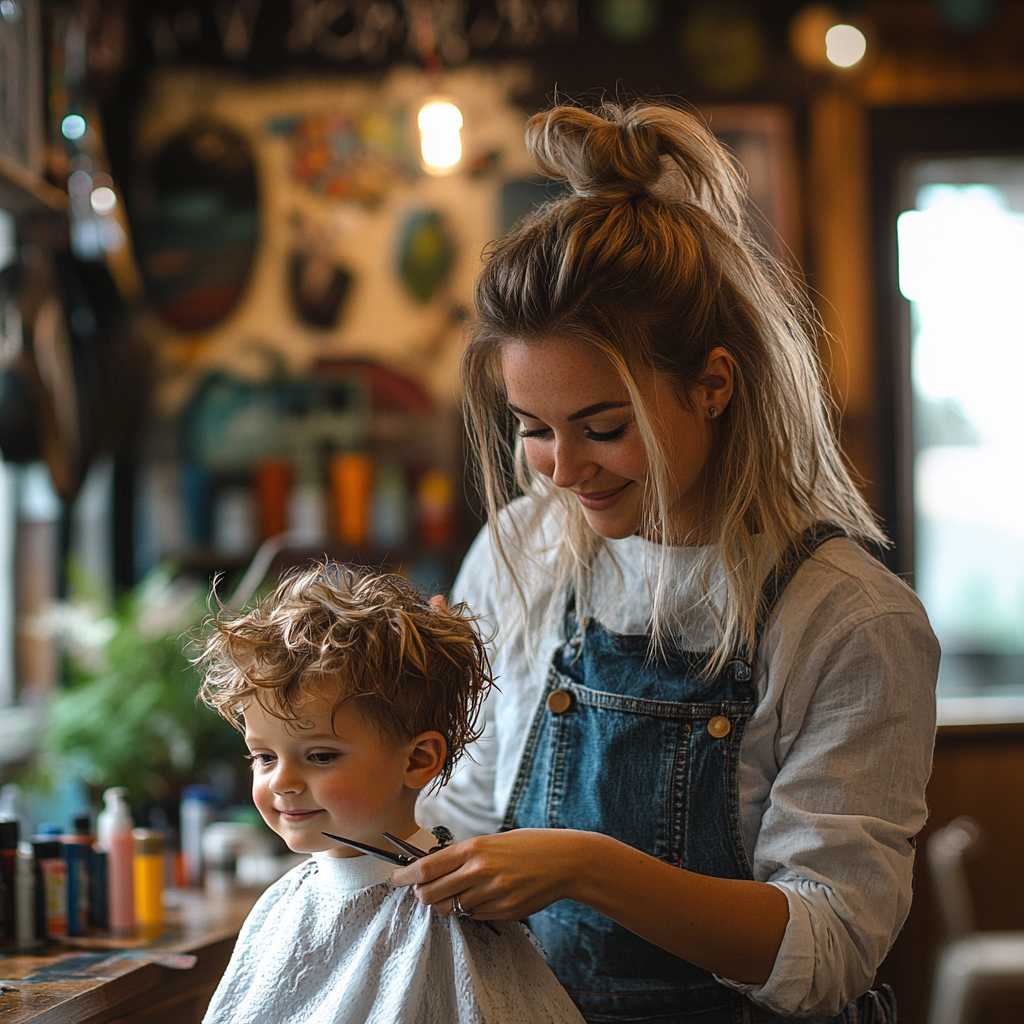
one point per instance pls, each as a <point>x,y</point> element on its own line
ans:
<point>360,635</point>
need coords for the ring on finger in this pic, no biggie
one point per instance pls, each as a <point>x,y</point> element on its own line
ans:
<point>457,908</point>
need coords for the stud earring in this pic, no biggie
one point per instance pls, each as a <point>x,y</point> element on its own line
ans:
<point>712,412</point>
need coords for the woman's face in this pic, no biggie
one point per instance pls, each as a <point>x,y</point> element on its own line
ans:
<point>579,430</point>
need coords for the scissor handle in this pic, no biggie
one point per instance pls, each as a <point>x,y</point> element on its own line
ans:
<point>413,851</point>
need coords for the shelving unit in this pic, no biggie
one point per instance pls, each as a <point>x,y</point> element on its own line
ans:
<point>26,194</point>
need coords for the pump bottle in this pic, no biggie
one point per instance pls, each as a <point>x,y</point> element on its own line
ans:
<point>114,835</point>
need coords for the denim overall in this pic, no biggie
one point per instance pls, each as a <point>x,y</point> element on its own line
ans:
<point>646,751</point>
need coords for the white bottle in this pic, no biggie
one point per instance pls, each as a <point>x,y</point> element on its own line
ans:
<point>114,834</point>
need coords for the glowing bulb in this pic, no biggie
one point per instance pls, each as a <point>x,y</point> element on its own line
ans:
<point>103,199</point>
<point>845,45</point>
<point>73,126</point>
<point>440,142</point>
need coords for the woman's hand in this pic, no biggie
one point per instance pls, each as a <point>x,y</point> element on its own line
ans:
<point>729,926</point>
<point>503,877</point>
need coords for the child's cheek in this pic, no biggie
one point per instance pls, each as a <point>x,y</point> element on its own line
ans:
<point>263,799</point>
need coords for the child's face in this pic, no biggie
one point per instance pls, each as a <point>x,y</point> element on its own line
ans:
<point>350,779</point>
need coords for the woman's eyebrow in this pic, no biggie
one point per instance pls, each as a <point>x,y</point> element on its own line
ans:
<point>590,410</point>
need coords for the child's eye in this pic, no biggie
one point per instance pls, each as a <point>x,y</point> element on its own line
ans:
<point>323,757</point>
<point>261,760</point>
<point>611,435</point>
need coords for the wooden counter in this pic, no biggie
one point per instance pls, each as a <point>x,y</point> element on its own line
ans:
<point>102,981</point>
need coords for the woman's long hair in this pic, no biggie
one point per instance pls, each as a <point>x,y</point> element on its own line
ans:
<point>652,263</point>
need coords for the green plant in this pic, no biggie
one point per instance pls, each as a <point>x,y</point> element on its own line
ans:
<point>128,714</point>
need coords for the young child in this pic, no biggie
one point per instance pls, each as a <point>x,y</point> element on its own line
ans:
<point>354,695</point>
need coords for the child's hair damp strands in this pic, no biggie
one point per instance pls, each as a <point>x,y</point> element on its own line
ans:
<point>344,633</point>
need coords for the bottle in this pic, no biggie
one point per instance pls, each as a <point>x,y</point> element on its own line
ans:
<point>28,937</point>
<point>149,880</point>
<point>8,883</point>
<point>76,848</point>
<point>351,485</point>
<point>114,826</point>
<point>198,809</point>
<point>435,508</point>
<point>51,875</point>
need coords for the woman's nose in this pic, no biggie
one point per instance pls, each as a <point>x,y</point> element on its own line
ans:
<point>568,467</point>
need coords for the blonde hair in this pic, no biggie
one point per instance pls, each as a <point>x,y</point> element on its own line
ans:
<point>652,263</point>
<point>353,634</point>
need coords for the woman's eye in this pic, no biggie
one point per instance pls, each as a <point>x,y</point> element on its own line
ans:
<point>610,435</point>
<point>539,432</point>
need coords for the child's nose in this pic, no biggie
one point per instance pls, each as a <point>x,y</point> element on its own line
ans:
<point>286,779</point>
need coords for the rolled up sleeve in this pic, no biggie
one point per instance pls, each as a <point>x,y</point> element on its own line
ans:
<point>856,730</point>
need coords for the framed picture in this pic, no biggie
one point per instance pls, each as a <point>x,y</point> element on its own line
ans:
<point>761,136</point>
<point>21,106</point>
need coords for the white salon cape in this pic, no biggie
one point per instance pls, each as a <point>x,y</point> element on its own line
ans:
<point>333,942</point>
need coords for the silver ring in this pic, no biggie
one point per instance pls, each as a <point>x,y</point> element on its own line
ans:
<point>457,909</point>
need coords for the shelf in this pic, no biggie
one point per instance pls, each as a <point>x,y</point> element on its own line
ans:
<point>209,560</point>
<point>26,194</point>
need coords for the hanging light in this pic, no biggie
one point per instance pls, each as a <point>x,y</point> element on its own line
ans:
<point>845,45</point>
<point>822,39</point>
<point>440,123</point>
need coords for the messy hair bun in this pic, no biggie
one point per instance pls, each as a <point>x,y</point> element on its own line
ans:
<point>649,149</point>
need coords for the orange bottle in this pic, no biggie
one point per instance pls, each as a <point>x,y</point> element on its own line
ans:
<point>351,489</point>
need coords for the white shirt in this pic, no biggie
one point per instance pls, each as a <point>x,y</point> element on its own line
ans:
<point>333,942</point>
<point>833,763</point>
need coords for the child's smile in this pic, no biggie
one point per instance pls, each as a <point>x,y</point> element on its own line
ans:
<point>309,778</point>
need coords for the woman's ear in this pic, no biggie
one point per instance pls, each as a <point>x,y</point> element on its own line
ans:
<point>716,384</point>
<point>427,753</point>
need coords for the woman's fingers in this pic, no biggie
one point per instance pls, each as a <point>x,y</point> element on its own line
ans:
<point>426,869</point>
<point>499,877</point>
<point>440,604</point>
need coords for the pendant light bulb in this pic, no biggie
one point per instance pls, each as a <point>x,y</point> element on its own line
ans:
<point>440,123</point>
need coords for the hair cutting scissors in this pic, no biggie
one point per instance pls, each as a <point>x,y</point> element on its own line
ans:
<point>411,854</point>
<point>408,856</point>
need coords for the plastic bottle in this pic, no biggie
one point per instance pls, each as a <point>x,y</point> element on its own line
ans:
<point>114,828</point>
<point>28,937</point>
<point>198,809</point>
<point>77,848</point>
<point>51,874</point>
<point>149,880</point>
<point>8,882</point>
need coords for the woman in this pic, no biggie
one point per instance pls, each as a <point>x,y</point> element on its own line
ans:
<point>707,762</point>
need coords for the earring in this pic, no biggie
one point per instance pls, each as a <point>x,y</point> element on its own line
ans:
<point>712,412</point>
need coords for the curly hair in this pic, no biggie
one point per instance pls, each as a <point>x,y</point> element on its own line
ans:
<point>333,629</point>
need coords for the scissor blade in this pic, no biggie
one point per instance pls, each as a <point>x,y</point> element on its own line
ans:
<point>414,851</point>
<point>373,851</point>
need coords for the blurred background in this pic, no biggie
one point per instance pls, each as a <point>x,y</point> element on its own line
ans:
<point>237,247</point>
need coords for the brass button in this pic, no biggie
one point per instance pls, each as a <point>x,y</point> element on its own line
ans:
<point>559,701</point>
<point>719,726</point>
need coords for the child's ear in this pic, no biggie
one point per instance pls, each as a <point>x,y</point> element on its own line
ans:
<point>426,759</point>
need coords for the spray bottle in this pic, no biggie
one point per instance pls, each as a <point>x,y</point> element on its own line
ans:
<point>114,835</point>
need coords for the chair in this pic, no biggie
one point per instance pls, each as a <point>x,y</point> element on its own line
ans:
<point>971,961</point>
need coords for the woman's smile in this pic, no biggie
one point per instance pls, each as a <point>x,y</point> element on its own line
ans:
<point>600,501</point>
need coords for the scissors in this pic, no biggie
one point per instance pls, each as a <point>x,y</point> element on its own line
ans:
<point>408,855</point>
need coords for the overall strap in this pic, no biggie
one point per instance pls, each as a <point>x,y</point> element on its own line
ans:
<point>785,569</point>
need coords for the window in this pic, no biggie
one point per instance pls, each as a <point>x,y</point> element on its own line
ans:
<point>961,266</point>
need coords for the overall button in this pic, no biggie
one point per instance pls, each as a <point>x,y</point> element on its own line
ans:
<point>559,701</point>
<point>719,726</point>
